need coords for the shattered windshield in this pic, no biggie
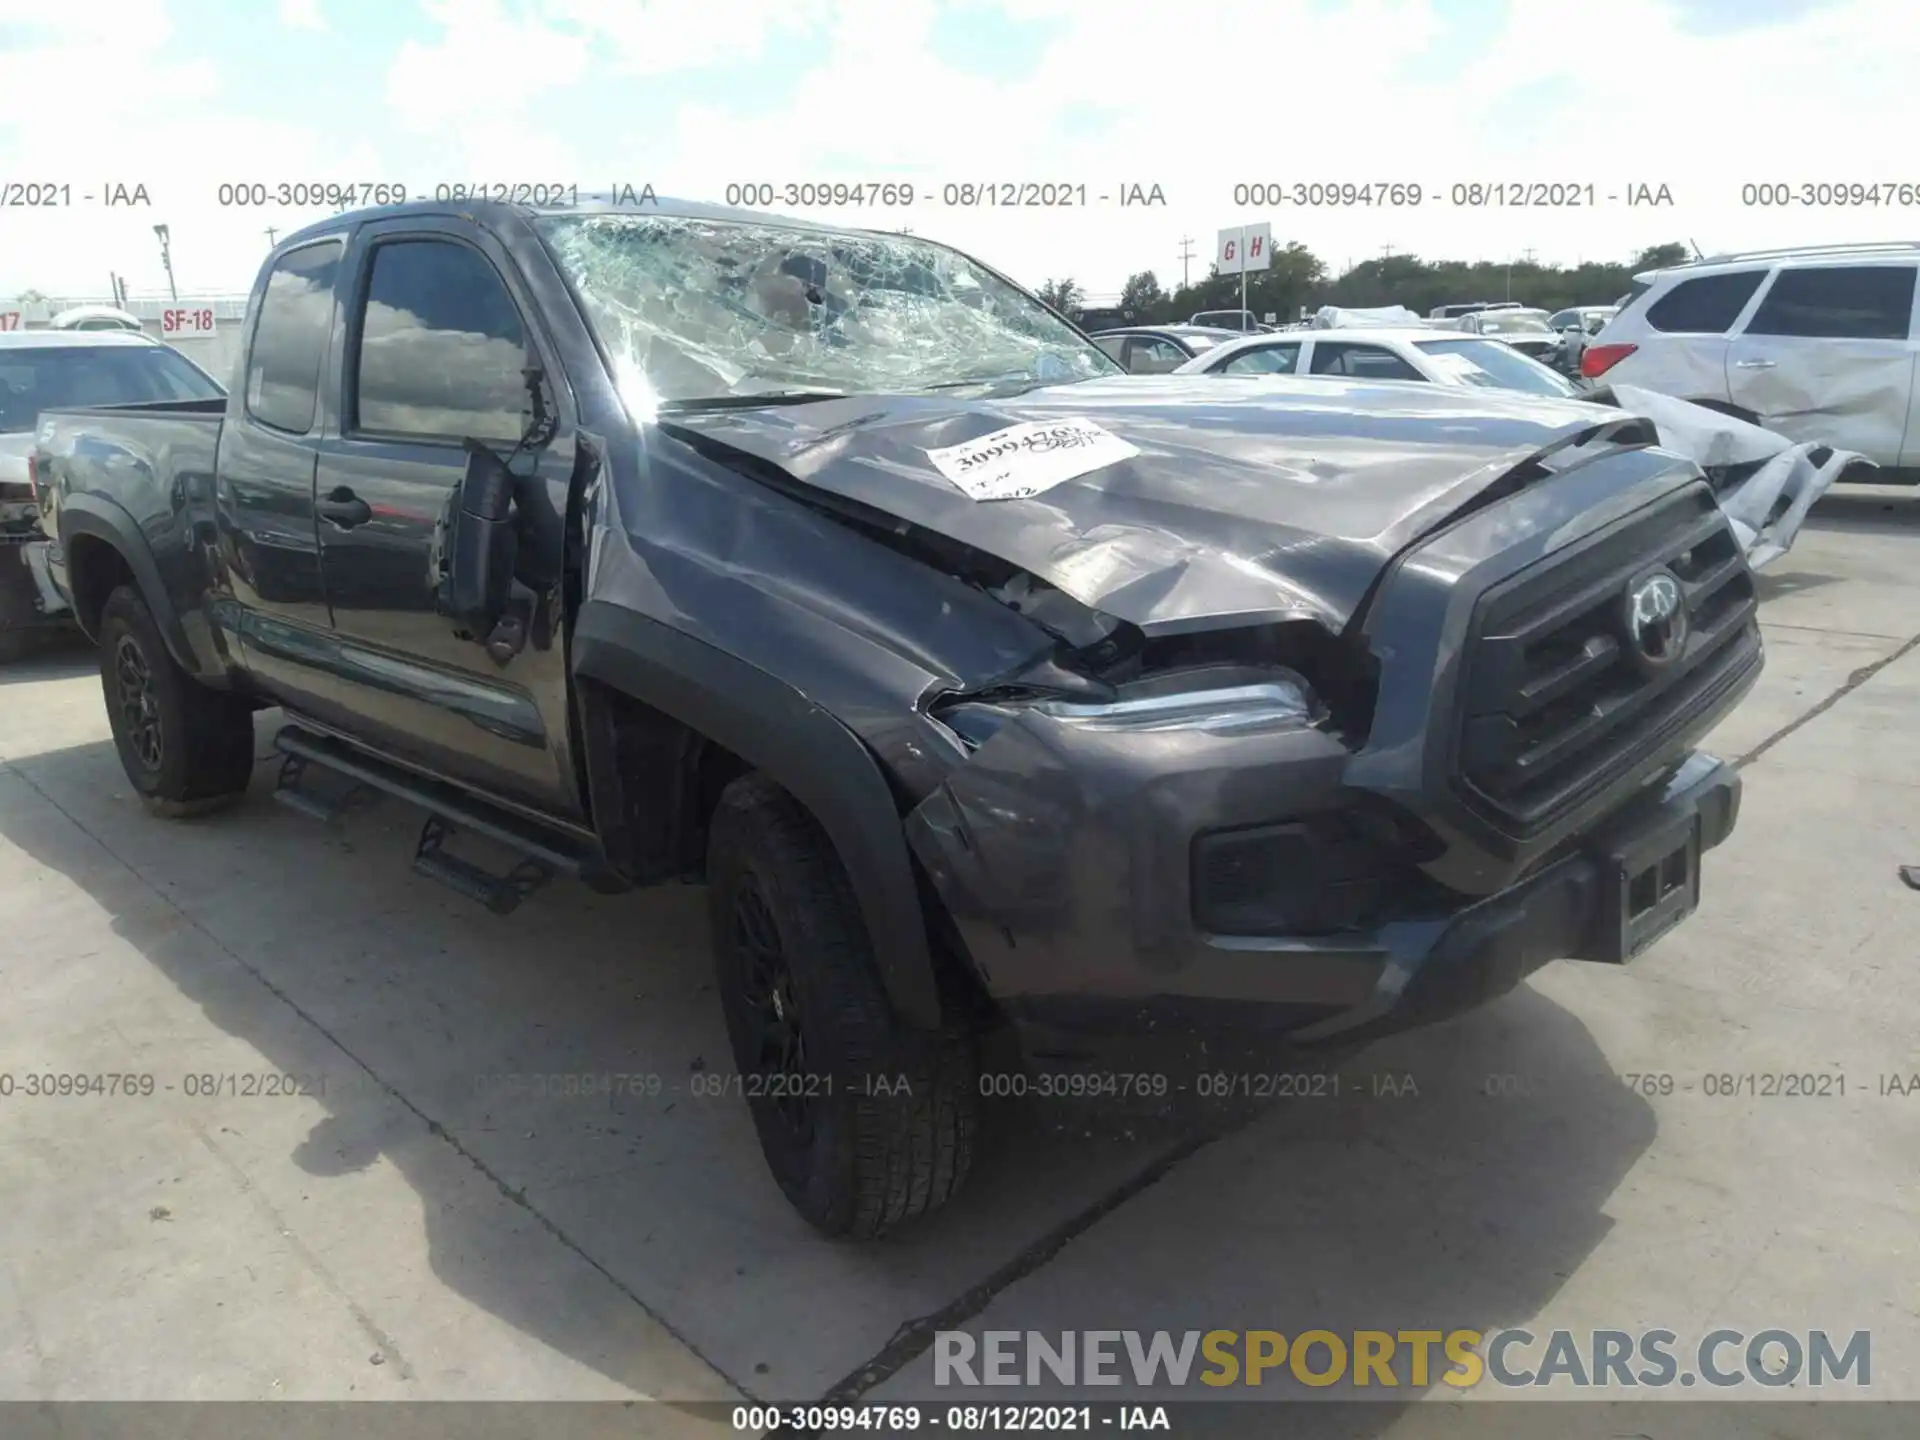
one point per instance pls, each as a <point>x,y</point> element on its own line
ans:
<point>700,309</point>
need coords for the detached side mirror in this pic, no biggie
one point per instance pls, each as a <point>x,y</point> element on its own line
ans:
<point>482,544</point>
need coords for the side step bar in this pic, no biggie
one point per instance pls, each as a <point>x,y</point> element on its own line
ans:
<point>544,850</point>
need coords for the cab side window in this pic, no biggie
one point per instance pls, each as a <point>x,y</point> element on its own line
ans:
<point>441,347</point>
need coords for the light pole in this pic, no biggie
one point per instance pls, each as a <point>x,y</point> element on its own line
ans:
<point>166,259</point>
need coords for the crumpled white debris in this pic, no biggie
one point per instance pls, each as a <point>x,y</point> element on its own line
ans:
<point>1718,443</point>
<point>1342,317</point>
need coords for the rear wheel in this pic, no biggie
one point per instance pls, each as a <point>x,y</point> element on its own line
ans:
<point>186,749</point>
<point>866,1123</point>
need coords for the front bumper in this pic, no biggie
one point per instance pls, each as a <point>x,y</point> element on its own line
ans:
<point>1094,957</point>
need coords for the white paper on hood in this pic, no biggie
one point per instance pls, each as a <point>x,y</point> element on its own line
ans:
<point>1029,458</point>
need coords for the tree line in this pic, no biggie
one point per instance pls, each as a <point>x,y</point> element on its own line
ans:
<point>1298,278</point>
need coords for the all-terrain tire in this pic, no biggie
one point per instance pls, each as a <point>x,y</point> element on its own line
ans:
<point>891,1113</point>
<point>186,749</point>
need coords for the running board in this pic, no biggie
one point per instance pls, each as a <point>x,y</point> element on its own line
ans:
<point>544,851</point>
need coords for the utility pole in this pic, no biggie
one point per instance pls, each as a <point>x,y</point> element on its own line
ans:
<point>1186,257</point>
<point>273,236</point>
<point>166,259</point>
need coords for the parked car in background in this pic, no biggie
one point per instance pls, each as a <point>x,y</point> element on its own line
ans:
<point>1526,330</point>
<point>1160,349</point>
<point>1589,318</point>
<point>1243,322</point>
<point>1817,344</point>
<point>53,369</point>
<point>1470,361</point>
<point>95,317</point>
<point>1099,317</point>
<point>1470,307</point>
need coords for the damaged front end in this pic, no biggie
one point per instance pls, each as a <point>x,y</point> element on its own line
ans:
<point>1201,848</point>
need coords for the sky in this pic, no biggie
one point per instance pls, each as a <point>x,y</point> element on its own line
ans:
<point>1196,98</point>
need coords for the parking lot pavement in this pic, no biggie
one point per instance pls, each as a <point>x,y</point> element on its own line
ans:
<point>420,1222</point>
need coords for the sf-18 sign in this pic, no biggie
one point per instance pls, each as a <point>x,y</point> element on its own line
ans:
<point>1243,248</point>
<point>185,324</point>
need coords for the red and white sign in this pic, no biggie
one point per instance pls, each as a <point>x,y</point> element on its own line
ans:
<point>1244,247</point>
<point>9,319</point>
<point>185,324</point>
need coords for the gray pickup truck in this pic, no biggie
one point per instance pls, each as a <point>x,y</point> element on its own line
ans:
<point>1146,720</point>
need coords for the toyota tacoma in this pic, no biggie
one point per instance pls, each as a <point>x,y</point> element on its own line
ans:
<point>989,690</point>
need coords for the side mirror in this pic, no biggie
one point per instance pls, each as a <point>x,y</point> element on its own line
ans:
<point>482,544</point>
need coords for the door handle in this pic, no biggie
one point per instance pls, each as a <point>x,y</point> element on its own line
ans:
<point>1755,364</point>
<point>340,506</point>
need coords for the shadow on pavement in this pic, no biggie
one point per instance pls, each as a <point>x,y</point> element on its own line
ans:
<point>456,1031</point>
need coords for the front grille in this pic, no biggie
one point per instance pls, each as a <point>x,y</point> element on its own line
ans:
<point>1555,709</point>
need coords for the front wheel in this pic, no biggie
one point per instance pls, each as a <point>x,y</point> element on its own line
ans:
<point>866,1123</point>
<point>185,748</point>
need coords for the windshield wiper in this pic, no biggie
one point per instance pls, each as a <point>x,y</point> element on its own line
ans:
<point>751,401</point>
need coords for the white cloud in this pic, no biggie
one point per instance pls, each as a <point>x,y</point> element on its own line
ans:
<point>301,15</point>
<point>1290,91</point>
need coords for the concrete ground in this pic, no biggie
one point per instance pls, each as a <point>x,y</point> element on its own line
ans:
<point>417,1223</point>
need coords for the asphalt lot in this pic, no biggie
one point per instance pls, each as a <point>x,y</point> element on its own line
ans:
<point>413,1228</point>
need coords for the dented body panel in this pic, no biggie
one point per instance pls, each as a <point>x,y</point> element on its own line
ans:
<point>1253,500</point>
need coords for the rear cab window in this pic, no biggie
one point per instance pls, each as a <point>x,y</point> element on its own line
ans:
<point>1850,302</point>
<point>1704,304</point>
<point>290,338</point>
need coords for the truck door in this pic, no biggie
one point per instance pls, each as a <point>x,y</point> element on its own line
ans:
<point>264,491</point>
<point>435,337</point>
<point>1827,357</point>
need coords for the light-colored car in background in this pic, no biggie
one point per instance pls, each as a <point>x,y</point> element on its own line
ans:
<point>1160,349</point>
<point>1437,357</point>
<point>1817,344</point>
<point>1524,329</point>
<point>1590,318</point>
<point>95,317</point>
<point>1241,322</point>
<point>1471,307</point>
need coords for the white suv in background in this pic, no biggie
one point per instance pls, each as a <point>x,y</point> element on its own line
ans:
<point>1817,344</point>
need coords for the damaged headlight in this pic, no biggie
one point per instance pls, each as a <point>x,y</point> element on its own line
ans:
<point>1277,700</point>
<point>1277,704</point>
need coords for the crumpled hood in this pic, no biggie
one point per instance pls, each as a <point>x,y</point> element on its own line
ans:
<point>1251,500</point>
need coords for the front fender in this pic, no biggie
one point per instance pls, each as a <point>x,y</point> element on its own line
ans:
<point>819,761</point>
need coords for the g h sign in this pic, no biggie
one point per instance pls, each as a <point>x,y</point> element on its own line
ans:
<point>1243,248</point>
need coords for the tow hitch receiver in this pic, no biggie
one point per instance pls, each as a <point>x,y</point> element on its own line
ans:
<point>1653,884</point>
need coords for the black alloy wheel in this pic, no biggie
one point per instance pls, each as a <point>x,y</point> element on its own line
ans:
<point>139,707</point>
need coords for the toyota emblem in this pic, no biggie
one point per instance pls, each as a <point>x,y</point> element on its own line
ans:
<point>1656,619</point>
